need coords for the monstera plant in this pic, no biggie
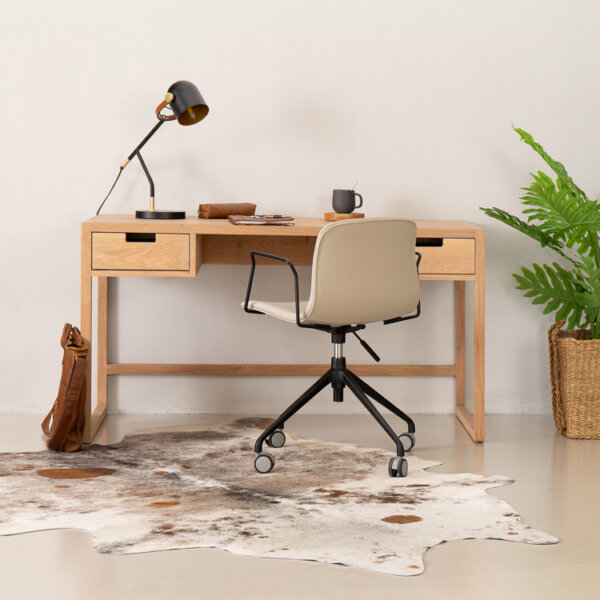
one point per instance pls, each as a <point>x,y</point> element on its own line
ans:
<point>560,216</point>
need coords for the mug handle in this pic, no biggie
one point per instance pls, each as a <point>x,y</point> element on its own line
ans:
<point>358,205</point>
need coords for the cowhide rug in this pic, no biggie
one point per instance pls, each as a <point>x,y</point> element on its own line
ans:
<point>328,502</point>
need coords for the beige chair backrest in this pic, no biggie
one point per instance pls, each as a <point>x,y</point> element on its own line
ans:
<point>364,270</point>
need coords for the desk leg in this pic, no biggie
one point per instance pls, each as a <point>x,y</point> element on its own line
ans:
<point>459,342</point>
<point>102,350</point>
<point>95,418</point>
<point>479,358</point>
<point>86,322</point>
<point>473,423</point>
<point>462,414</point>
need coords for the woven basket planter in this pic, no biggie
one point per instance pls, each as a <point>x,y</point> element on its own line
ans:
<point>575,378</point>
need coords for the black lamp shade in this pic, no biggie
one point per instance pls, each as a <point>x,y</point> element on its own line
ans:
<point>187,104</point>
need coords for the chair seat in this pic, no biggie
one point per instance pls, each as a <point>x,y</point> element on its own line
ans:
<point>286,311</point>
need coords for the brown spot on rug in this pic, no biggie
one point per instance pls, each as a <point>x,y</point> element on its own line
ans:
<point>88,473</point>
<point>402,519</point>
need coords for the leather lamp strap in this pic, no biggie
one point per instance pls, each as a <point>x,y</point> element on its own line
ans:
<point>162,117</point>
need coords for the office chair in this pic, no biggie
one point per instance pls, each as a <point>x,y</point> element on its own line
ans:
<point>363,271</point>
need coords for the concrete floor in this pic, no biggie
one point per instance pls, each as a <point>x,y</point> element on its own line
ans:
<point>556,489</point>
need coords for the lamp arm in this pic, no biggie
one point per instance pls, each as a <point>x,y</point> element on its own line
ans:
<point>142,143</point>
<point>137,152</point>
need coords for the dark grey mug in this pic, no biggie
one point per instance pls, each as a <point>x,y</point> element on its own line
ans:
<point>344,201</point>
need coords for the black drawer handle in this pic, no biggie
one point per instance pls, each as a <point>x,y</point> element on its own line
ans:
<point>140,237</point>
<point>431,242</point>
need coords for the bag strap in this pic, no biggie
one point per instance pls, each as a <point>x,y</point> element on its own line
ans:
<point>71,337</point>
<point>76,337</point>
<point>46,421</point>
<point>66,334</point>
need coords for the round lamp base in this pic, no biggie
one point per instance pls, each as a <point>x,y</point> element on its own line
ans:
<point>160,214</point>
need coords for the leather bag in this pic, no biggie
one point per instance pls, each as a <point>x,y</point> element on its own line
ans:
<point>64,424</point>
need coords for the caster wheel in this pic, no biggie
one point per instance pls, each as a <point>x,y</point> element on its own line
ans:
<point>276,439</point>
<point>263,463</point>
<point>407,440</point>
<point>398,467</point>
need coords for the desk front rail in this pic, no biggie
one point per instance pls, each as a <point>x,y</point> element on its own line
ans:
<point>125,248</point>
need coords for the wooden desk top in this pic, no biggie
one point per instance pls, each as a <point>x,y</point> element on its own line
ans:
<point>303,227</point>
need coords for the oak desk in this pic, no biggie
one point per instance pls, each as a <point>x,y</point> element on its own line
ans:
<point>122,246</point>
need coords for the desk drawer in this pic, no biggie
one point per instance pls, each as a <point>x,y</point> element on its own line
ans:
<point>453,256</point>
<point>141,252</point>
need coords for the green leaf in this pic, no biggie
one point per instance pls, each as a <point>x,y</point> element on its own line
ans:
<point>588,294</point>
<point>556,288</point>
<point>557,167</point>
<point>534,232</point>
<point>567,219</point>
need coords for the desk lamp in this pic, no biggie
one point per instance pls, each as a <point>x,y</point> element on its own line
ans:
<point>188,107</point>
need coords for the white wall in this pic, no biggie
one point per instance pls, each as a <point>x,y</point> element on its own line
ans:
<point>414,100</point>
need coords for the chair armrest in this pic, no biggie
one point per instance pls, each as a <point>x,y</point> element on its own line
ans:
<point>418,313</point>
<point>253,256</point>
